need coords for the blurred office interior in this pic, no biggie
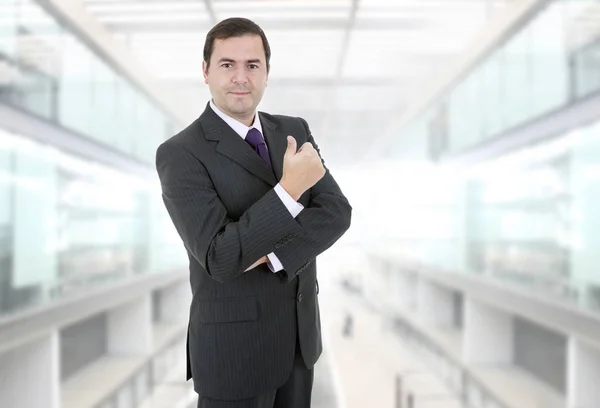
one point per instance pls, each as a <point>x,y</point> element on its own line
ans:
<point>465,133</point>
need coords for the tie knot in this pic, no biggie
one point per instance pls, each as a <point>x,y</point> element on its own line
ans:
<point>254,137</point>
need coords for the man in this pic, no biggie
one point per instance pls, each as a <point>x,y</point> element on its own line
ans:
<point>253,212</point>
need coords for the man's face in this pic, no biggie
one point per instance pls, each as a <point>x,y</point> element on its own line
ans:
<point>237,75</point>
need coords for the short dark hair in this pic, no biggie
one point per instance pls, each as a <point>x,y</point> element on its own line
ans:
<point>234,27</point>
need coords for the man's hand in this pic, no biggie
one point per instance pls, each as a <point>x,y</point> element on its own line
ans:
<point>301,169</point>
<point>262,260</point>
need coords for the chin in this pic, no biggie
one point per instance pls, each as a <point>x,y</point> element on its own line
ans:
<point>240,109</point>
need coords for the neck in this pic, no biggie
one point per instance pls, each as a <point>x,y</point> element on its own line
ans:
<point>247,120</point>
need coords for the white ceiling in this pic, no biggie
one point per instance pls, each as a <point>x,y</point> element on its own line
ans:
<point>347,66</point>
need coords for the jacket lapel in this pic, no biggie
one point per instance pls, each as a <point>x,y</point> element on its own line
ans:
<point>231,145</point>
<point>276,143</point>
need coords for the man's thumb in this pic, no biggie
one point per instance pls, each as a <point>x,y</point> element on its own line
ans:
<point>291,147</point>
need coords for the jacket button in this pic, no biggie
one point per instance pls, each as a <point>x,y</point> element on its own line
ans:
<point>300,298</point>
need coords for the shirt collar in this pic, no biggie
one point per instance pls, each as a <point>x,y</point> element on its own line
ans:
<point>236,125</point>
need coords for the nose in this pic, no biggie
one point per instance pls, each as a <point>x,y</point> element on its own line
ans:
<point>239,76</point>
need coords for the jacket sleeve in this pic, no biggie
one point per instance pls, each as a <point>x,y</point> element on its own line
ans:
<point>223,247</point>
<point>322,222</point>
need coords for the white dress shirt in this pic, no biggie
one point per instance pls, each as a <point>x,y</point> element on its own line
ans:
<point>292,205</point>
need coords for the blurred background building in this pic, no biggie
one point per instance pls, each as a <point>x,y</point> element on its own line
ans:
<point>465,133</point>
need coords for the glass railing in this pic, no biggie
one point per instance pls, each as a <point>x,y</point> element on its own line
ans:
<point>528,219</point>
<point>48,71</point>
<point>141,384</point>
<point>549,63</point>
<point>456,376</point>
<point>68,225</point>
<point>471,392</point>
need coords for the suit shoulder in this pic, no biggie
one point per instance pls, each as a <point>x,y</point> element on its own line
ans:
<point>185,135</point>
<point>186,138</point>
<point>281,119</point>
<point>288,123</point>
<point>182,143</point>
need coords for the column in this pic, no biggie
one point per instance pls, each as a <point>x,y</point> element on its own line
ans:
<point>435,304</point>
<point>488,334</point>
<point>130,328</point>
<point>30,374</point>
<point>405,287</point>
<point>175,302</point>
<point>583,375</point>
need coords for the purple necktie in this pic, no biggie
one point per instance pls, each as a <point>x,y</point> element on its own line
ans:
<point>256,140</point>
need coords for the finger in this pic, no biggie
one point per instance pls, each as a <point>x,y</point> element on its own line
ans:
<point>291,146</point>
<point>305,146</point>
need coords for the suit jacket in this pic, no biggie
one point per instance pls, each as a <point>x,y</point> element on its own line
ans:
<point>219,194</point>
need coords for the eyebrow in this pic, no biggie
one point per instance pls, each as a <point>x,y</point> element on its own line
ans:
<point>250,61</point>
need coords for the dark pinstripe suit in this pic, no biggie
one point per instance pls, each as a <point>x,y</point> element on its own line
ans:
<point>220,197</point>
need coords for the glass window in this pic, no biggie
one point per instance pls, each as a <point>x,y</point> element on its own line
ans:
<point>458,117</point>
<point>529,218</point>
<point>10,74</point>
<point>5,175</point>
<point>582,37</point>
<point>103,103</point>
<point>516,79</point>
<point>587,69</point>
<point>491,96</point>
<point>34,217</point>
<point>474,113</point>
<point>535,218</point>
<point>47,70</point>
<point>551,59</point>
<point>8,28</point>
<point>37,91</point>
<point>96,208</point>
<point>29,59</point>
<point>549,62</point>
<point>6,222</point>
<point>126,119</point>
<point>585,223</point>
<point>165,248</point>
<point>145,132</point>
<point>75,95</point>
<point>520,219</point>
<point>68,224</point>
<point>155,137</point>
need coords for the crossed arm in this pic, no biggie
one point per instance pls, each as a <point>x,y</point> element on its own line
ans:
<point>227,248</point>
<point>326,218</point>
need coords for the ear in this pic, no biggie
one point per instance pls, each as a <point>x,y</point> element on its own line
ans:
<point>205,71</point>
<point>267,77</point>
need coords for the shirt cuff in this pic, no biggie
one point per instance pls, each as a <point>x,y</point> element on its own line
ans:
<point>274,264</point>
<point>292,205</point>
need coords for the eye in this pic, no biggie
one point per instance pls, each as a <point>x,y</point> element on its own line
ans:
<point>226,65</point>
<point>253,66</point>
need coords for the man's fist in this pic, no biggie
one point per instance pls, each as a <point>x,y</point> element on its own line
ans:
<point>302,169</point>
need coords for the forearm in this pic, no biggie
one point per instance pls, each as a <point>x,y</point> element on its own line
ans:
<point>326,218</point>
<point>223,247</point>
<point>322,223</point>
<point>239,244</point>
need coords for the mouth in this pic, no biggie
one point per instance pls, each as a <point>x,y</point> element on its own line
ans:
<point>240,93</point>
